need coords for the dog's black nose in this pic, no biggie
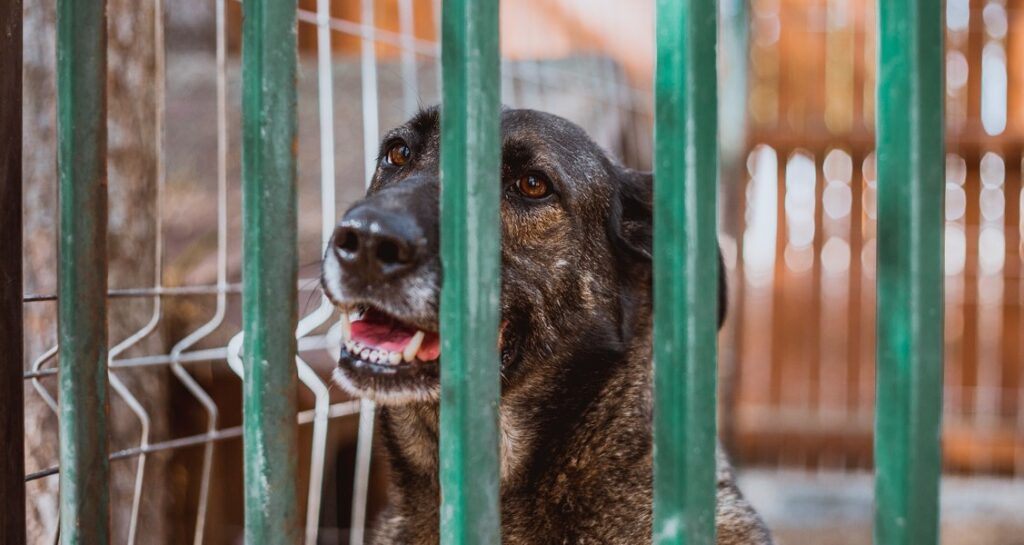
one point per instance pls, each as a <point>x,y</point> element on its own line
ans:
<point>377,244</point>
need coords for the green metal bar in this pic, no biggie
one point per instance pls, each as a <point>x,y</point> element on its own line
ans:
<point>470,257</point>
<point>12,386</point>
<point>82,271</point>
<point>685,272</point>
<point>269,270</point>
<point>910,217</point>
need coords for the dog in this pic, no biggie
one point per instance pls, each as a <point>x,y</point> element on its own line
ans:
<point>575,339</point>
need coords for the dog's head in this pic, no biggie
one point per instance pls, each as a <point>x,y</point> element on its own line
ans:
<point>576,249</point>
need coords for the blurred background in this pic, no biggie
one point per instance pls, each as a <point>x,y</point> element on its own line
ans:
<point>797,224</point>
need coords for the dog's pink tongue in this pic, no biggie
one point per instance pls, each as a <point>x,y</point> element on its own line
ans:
<point>394,338</point>
<point>381,335</point>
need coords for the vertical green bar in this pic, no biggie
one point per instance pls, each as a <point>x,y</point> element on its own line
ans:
<point>685,272</point>
<point>269,269</point>
<point>471,260</point>
<point>82,270</point>
<point>910,221</point>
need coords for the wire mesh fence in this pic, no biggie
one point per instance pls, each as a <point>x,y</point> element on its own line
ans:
<point>798,233</point>
<point>209,341</point>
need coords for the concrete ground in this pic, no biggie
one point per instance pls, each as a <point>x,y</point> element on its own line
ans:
<point>806,508</point>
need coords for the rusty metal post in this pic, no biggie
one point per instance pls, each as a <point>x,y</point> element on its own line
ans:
<point>82,270</point>
<point>12,410</point>
<point>269,271</point>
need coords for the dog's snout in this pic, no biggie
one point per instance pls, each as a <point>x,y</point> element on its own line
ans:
<point>376,244</point>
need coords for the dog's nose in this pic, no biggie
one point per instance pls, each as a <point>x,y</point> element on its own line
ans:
<point>377,244</point>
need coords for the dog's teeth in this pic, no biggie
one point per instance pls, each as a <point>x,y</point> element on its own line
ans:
<point>376,356</point>
<point>365,354</point>
<point>350,345</point>
<point>414,346</point>
<point>394,358</point>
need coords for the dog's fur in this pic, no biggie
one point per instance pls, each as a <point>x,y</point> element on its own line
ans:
<point>575,353</point>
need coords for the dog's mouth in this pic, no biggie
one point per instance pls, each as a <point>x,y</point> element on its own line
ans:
<point>386,358</point>
<point>391,360</point>
<point>386,343</point>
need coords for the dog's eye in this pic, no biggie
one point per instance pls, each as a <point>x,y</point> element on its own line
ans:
<point>398,155</point>
<point>533,186</point>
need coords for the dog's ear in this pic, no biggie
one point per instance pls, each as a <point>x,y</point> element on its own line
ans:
<point>632,227</point>
<point>630,224</point>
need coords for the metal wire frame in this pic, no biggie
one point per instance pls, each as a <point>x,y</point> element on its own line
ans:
<point>335,410</point>
<point>119,387</point>
<point>611,92</point>
<point>625,96</point>
<point>168,291</point>
<point>525,72</point>
<point>326,310</point>
<point>165,291</point>
<point>320,342</point>
<point>193,387</point>
<point>133,403</point>
<point>178,354</point>
<point>307,344</point>
<point>371,135</point>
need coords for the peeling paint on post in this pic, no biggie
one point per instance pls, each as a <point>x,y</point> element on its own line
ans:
<point>270,268</point>
<point>470,256</point>
<point>685,272</point>
<point>82,270</point>
<point>911,181</point>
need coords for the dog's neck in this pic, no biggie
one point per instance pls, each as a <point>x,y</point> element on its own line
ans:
<point>539,419</point>
<point>412,438</point>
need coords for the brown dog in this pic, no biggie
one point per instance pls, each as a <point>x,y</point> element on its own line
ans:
<point>575,340</point>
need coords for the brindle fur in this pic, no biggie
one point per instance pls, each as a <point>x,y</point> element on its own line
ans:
<point>576,358</point>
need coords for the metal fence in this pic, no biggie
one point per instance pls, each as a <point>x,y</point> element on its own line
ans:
<point>805,231</point>
<point>910,225</point>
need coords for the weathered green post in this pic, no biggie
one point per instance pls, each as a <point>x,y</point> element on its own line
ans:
<point>685,272</point>
<point>910,296</point>
<point>270,268</point>
<point>470,256</point>
<point>82,271</point>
